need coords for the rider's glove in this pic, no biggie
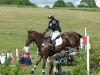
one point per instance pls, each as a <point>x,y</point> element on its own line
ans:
<point>44,33</point>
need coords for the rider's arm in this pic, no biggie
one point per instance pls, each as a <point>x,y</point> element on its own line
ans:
<point>49,27</point>
<point>46,30</point>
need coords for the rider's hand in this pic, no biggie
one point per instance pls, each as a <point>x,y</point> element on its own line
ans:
<point>47,30</point>
<point>44,33</point>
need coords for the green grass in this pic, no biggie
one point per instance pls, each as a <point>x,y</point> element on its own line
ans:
<point>87,9</point>
<point>15,22</point>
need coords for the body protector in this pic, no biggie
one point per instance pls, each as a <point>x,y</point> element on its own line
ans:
<point>54,25</point>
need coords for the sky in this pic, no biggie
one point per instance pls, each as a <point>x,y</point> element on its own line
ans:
<point>43,3</point>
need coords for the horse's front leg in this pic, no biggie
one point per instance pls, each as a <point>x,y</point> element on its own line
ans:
<point>51,66</point>
<point>37,62</point>
<point>44,64</point>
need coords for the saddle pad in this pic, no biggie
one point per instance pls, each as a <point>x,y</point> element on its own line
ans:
<point>58,41</point>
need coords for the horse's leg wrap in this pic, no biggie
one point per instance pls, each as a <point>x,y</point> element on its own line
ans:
<point>43,71</point>
<point>34,68</point>
<point>32,71</point>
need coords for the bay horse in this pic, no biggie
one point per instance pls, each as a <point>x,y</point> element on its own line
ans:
<point>69,39</point>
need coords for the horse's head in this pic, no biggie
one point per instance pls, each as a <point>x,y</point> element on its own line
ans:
<point>30,38</point>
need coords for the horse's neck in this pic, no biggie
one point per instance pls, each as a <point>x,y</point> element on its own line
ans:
<point>38,41</point>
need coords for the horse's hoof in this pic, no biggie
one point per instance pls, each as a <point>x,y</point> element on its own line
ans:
<point>31,72</point>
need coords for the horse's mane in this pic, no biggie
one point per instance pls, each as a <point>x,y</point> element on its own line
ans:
<point>37,33</point>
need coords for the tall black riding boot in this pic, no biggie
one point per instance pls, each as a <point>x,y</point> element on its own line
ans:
<point>52,45</point>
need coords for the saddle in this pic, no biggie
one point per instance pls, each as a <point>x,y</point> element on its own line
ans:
<point>47,41</point>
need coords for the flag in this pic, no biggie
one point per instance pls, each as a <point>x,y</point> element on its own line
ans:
<point>84,40</point>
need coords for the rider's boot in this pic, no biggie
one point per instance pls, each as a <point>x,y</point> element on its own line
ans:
<point>52,45</point>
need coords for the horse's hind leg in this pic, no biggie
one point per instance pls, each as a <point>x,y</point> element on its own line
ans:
<point>37,62</point>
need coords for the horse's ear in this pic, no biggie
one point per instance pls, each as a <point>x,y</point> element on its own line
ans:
<point>29,31</point>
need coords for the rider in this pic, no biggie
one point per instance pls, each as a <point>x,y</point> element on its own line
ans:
<point>55,27</point>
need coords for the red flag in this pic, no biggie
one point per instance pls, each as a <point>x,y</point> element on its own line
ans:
<point>84,38</point>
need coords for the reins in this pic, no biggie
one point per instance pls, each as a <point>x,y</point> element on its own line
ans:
<point>39,39</point>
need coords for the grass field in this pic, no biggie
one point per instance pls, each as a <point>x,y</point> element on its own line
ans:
<point>16,21</point>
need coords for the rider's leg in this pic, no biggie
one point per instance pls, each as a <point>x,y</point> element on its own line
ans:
<point>52,45</point>
<point>54,35</point>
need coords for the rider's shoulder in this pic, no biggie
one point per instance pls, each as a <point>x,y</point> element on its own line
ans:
<point>54,21</point>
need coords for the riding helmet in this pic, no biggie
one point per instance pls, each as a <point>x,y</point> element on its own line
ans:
<point>51,17</point>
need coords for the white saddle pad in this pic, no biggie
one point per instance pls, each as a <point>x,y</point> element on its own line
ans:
<point>58,41</point>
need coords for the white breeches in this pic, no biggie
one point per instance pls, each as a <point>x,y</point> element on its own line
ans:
<point>54,34</point>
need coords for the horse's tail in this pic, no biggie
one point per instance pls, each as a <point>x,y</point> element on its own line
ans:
<point>80,36</point>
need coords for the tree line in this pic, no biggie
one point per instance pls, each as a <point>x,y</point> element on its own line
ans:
<point>83,3</point>
<point>58,3</point>
<point>17,2</point>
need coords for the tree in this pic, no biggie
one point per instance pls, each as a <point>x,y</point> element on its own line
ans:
<point>81,65</point>
<point>17,2</point>
<point>47,6</point>
<point>59,3</point>
<point>69,4</point>
<point>87,3</point>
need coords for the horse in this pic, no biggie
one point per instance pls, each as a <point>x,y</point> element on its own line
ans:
<point>69,39</point>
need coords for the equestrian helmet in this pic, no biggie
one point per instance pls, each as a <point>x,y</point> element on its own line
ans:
<point>51,17</point>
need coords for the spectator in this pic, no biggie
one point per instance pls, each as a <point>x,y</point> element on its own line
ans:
<point>28,60</point>
<point>9,54</point>
<point>24,53</point>
<point>66,49</point>
<point>71,51</point>
<point>0,59</point>
<point>22,61</point>
<point>13,60</point>
<point>25,59</point>
<point>70,60</point>
<point>3,59</point>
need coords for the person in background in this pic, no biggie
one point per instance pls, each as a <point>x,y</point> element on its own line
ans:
<point>13,60</point>
<point>55,27</point>
<point>28,61</point>
<point>0,59</point>
<point>70,60</point>
<point>9,54</point>
<point>25,59</point>
<point>66,50</point>
<point>3,58</point>
<point>21,60</point>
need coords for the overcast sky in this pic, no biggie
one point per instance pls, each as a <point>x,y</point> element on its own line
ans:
<point>42,3</point>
